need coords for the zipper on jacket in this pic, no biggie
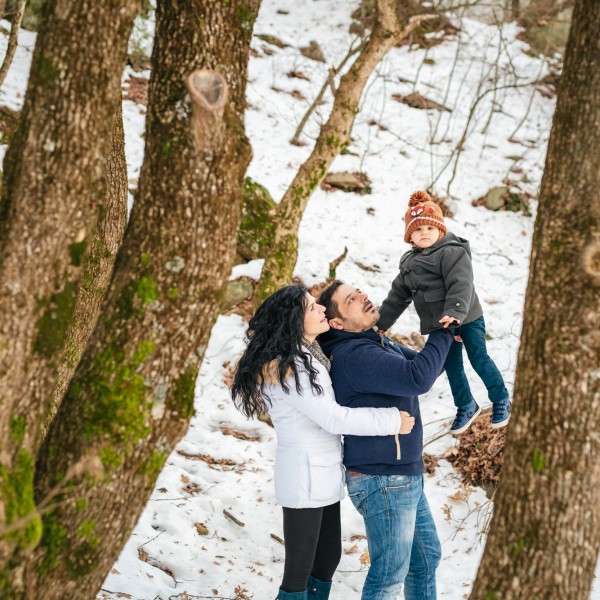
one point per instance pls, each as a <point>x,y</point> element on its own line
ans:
<point>397,440</point>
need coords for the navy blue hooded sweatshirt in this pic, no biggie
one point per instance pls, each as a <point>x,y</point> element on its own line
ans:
<point>368,370</point>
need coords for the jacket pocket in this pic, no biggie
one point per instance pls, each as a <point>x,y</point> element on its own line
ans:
<point>326,475</point>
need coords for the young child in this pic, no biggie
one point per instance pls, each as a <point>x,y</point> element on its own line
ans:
<point>437,275</point>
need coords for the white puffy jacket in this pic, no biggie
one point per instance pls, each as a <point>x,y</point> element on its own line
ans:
<point>308,461</point>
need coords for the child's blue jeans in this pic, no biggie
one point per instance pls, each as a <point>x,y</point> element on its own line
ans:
<point>473,336</point>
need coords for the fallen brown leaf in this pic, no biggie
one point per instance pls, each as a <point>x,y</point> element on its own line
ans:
<point>239,434</point>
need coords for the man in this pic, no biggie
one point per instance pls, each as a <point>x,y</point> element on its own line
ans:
<point>384,475</point>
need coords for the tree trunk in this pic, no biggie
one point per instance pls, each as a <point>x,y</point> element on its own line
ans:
<point>99,264</point>
<point>52,190</point>
<point>545,533</point>
<point>333,138</point>
<point>132,395</point>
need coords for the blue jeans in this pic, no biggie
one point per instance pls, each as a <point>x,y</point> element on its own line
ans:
<point>473,336</point>
<point>401,535</point>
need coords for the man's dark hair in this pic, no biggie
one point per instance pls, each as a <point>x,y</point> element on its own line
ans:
<point>331,308</point>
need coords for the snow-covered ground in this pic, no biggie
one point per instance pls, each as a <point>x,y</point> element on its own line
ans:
<point>186,543</point>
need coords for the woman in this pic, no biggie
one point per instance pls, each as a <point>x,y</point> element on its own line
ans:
<point>283,370</point>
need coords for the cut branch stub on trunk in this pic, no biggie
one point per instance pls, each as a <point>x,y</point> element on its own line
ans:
<point>333,138</point>
<point>208,92</point>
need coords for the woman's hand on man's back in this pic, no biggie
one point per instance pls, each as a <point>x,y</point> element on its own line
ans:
<point>406,422</point>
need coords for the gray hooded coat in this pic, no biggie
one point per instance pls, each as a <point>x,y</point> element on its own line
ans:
<point>439,280</point>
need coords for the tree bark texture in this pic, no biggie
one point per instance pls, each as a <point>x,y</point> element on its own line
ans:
<point>98,268</point>
<point>333,138</point>
<point>52,191</point>
<point>132,395</point>
<point>545,533</point>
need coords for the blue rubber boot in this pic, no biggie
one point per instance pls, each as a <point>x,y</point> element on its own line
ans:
<point>317,589</point>
<point>292,595</point>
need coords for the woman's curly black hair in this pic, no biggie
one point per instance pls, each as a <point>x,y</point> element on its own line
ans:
<point>275,336</point>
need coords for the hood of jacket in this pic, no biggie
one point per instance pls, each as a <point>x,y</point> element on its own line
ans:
<point>449,239</point>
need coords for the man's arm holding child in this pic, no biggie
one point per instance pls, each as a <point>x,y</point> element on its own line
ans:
<point>371,369</point>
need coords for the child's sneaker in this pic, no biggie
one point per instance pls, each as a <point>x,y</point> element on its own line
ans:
<point>501,413</point>
<point>465,415</point>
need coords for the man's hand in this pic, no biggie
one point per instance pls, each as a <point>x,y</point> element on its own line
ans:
<point>447,321</point>
<point>406,423</point>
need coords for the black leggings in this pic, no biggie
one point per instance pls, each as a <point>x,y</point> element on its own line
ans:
<point>313,545</point>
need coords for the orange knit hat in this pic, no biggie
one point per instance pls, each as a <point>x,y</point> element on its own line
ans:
<point>422,210</point>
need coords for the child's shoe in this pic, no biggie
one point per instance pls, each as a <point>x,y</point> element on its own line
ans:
<point>465,415</point>
<point>501,413</point>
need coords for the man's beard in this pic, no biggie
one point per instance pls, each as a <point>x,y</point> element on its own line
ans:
<point>363,325</point>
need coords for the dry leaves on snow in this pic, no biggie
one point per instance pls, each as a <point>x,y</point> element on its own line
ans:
<point>207,458</point>
<point>480,452</point>
<point>239,435</point>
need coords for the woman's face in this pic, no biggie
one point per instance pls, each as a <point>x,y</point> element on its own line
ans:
<point>315,321</point>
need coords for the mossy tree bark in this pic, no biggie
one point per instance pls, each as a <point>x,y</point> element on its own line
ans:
<point>99,263</point>
<point>545,533</point>
<point>52,190</point>
<point>132,394</point>
<point>393,22</point>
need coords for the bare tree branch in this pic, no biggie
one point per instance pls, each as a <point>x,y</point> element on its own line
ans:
<point>13,38</point>
<point>333,138</point>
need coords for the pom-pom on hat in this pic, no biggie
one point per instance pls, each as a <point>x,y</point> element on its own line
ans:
<point>422,210</point>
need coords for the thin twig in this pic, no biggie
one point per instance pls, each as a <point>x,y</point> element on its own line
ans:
<point>458,150</point>
<point>435,438</point>
<point>510,262</point>
<point>13,40</point>
<point>41,509</point>
<point>529,104</point>
<point>328,82</point>
<point>232,518</point>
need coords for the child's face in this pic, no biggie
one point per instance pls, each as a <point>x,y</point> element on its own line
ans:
<point>425,236</point>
